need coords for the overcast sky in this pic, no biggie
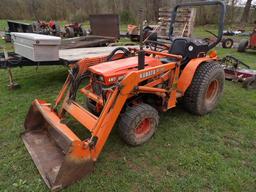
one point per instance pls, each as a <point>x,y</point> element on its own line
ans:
<point>242,2</point>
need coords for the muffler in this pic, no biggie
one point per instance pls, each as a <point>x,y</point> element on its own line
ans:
<point>60,156</point>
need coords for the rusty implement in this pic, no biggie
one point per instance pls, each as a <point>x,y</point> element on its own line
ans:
<point>59,156</point>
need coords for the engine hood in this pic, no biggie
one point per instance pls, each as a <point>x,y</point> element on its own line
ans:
<point>122,66</point>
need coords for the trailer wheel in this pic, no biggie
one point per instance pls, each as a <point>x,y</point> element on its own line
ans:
<point>69,32</point>
<point>242,45</point>
<point>227,43</point>
<point>250,83</point>
<point>205,90</point>
<point>138,124</point>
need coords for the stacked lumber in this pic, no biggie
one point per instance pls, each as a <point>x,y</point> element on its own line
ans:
<point>184,22</point>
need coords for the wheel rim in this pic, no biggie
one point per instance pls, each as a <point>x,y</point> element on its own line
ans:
<point>143,128</point>
<point>228,43</point>
<point>212,91</point>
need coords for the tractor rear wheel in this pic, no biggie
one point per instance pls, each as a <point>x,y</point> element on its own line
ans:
<point>82,31</point>
<point>138,124</point>
<point>70,32</point>
<point>206,88</point>
<point>242,45</point>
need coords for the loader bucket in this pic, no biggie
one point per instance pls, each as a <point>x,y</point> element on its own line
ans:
<point>58,153</point>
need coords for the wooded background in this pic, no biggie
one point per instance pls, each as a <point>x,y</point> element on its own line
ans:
<point>78,10</point>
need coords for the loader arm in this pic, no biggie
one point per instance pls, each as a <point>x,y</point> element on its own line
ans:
<point>59,154</point>
<point>118,98</point>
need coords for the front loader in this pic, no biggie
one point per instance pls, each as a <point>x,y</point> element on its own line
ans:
<point>128,87</point>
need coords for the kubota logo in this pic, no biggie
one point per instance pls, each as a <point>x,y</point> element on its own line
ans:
<point>149,73</point>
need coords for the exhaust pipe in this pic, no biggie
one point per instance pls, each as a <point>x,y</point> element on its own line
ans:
<point>141,53</point>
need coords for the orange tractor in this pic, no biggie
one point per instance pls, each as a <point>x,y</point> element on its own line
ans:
<point>128,87</point>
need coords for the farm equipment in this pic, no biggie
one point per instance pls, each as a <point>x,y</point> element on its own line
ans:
<point>248,44</point>
<point>129,84</point>
<point>238,71</point>
<point>74,30</point>
<point>46,28</point>
<point>226,43</point>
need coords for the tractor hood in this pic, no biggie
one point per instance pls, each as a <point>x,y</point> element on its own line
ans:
<point>122,66</point>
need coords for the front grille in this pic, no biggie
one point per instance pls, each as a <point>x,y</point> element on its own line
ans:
<point>97,88</point>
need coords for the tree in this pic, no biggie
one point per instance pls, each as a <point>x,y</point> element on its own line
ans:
<point>246,11</point>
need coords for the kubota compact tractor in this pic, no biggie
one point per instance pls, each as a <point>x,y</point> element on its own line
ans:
<point>129,86</point>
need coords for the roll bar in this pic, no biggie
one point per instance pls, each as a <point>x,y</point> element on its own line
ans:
<point>197,4</point>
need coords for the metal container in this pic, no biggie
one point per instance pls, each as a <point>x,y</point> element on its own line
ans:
<point>36,47</point>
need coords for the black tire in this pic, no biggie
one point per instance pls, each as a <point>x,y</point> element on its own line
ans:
<point>82,32</point>
<point>250,82</point>
<point>242,45</point>
<point>70,32</point>
<point>138,124</point>
<point>206,88</point>
<point>227,43</point>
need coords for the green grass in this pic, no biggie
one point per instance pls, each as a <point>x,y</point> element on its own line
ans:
<point>215,152</point>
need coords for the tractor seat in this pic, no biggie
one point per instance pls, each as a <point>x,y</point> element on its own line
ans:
<point>178,47</point>
<point>188,48</point>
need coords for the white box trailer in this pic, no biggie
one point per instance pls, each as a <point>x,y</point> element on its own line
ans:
<point>36,47</point>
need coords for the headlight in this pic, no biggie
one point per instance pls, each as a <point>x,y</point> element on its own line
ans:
<point>112,79</point>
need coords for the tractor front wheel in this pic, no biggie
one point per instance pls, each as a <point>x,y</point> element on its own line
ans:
<point>206,88</point>
<point>138,124</point>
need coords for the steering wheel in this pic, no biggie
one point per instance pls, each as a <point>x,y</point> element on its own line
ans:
<point>126,52</point>
<point>156,46</point>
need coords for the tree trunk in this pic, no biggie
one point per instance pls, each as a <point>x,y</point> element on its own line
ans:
<point>246,12</point>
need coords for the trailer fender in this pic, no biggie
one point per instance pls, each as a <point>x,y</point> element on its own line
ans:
<point>188,72</point>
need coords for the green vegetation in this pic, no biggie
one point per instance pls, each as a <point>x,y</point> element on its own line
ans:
<point>215,152</point>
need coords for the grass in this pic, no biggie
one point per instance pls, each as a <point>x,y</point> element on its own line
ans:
<point>215,152</point>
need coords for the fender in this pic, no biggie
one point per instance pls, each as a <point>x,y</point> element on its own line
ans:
<point>188,72</point>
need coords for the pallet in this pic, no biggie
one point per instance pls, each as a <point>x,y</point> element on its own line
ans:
<point>184,22</point>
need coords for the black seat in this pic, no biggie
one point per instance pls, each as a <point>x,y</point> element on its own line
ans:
<point>178,47</point>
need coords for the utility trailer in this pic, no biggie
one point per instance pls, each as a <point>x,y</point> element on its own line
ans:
<point>9,60</point>
<point>17,26</point>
